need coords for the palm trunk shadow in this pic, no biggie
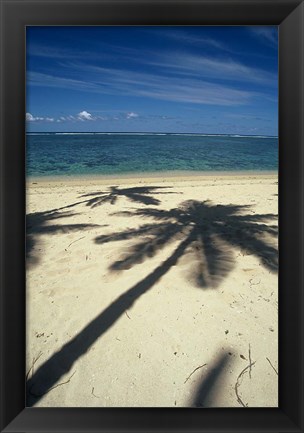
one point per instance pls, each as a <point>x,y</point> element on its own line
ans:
<point>62,361</point>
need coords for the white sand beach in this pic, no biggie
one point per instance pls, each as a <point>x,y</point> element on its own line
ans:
<point>153,291</point>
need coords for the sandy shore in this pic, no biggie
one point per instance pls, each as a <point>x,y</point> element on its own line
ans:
<point>153,292</point>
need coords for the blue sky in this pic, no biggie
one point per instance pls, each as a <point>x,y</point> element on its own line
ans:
<point>156,79</point>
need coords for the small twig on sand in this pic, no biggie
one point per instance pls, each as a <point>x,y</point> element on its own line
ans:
<point>128,315</point>
<point>194,372</point>
<point>74,242</point>
<point>238,383</point>
<point>254,284</point>
<point>93,393</point>
<point>272,365</point>
<point>32,366</point>
<point>250,363</point>
<point>53,387</point>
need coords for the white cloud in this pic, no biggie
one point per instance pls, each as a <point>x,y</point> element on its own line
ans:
<point>84,115</point>
<point>30,118</point>
<point>131,115</point>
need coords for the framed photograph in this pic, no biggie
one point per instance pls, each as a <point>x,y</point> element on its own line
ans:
<point>152,240</point>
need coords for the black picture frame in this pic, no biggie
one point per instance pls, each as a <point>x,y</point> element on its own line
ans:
<point>15,16</point>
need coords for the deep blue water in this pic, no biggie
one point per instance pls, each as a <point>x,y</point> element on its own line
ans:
<point>74,154</point>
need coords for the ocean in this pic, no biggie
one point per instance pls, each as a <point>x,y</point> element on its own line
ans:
<point>80,154</point>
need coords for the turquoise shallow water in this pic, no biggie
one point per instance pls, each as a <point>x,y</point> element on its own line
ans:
<point>77,154</point>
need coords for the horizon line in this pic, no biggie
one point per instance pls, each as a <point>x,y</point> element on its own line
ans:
<point>149,132</point>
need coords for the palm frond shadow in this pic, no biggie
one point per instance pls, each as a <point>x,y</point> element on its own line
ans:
<point>141,195</point>
<point>212,231</point>
<point>40,223</point>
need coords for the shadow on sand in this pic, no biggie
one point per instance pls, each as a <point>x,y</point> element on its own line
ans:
<point>62,361</point>
<point>140,194</point>
<point>204,230</point>
<point>209,389</point>
<point>41,223</point>
<point>211,232</point>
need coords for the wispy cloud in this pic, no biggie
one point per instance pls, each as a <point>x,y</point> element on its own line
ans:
<point>105,51</point>
<point>173,76</point>
<point>225,69</point>
<point>268,34</point>
<point>187,38</point>
<point>190,40</point>
<point>52,52</point>
<point>128,83</point>
<point>182,64</point>
<point>49,80</point>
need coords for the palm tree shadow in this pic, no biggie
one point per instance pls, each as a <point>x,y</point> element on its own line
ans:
<point>212,232</point>
<point>41,223</point>
<point>140,194</point>
<point>202,229</point>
